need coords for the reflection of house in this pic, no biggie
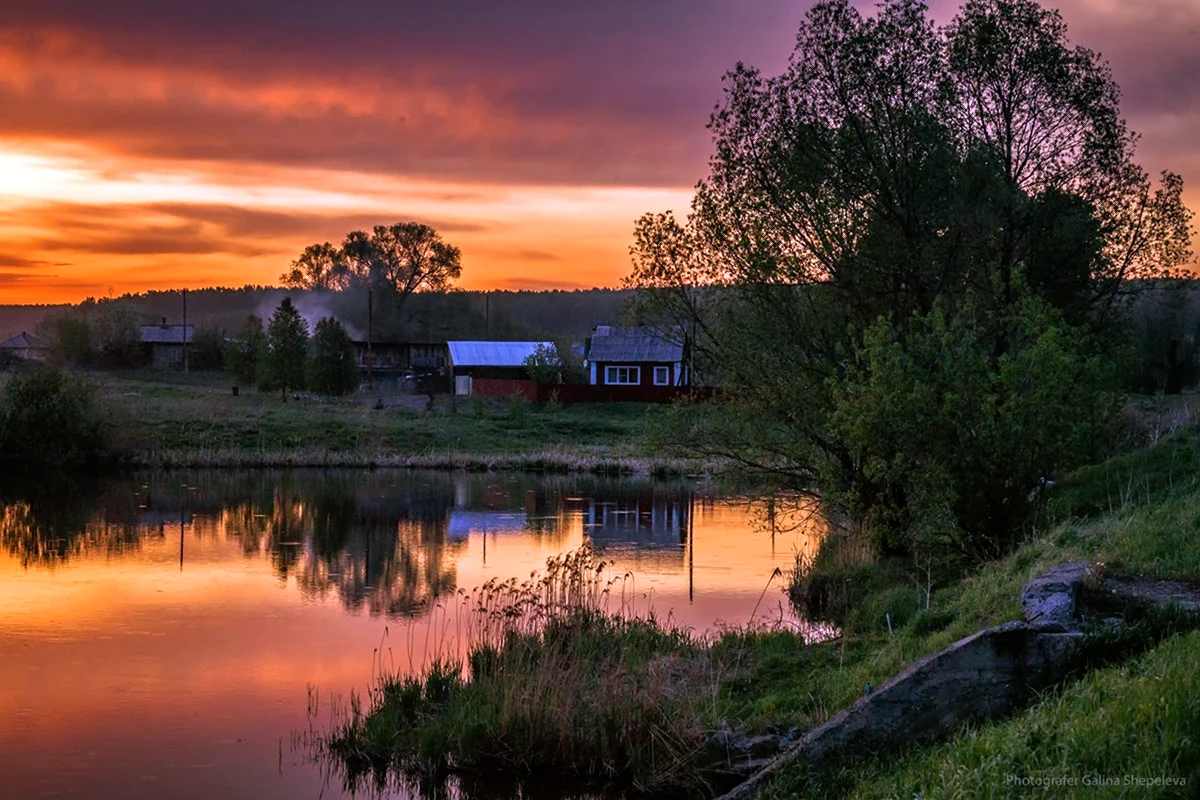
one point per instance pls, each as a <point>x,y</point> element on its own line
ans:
<point>463,523</point>
<point>25,347</point>
<point>405,357</point>
<point>493,369</point>
<point>634,357</point>
<point>637,522</point>
<point>165,343</point>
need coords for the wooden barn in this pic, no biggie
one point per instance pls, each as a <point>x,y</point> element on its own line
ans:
<point>634,358</point>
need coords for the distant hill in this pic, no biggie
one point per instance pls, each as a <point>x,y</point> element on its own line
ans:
<point>552,314</point>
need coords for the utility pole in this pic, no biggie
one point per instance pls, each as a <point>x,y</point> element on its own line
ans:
<point>370,322</point>
<point>487,315</point>
<point>185,332</point>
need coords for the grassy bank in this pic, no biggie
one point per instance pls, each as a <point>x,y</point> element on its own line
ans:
<point>197,422</point>
<point>1138,513</point>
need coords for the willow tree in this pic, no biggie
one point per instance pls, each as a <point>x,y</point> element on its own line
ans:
<point>899,193</point>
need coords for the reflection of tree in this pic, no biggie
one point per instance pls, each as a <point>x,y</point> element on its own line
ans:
<point>48,521</point>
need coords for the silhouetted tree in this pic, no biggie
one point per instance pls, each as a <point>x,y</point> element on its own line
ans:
<point>242,353</point>
<point>332,370</point>
<point>320,266</point>
<point>285,361</point>
<point>400,259</point>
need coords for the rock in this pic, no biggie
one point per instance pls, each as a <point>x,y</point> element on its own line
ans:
<point>1049,601</point>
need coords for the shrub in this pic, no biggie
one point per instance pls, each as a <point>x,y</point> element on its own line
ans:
<point>49,417</point>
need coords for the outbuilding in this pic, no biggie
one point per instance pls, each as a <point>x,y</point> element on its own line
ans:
<point>493,369</point>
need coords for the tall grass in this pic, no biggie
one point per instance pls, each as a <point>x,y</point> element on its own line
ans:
<point>554,681</point>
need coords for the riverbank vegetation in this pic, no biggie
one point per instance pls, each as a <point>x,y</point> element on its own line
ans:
<point>51,418</point>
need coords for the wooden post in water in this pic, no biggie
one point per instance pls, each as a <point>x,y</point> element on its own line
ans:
<point>691,535</point>
<point>181,513</point>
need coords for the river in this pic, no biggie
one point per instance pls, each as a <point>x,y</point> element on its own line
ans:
<point>166,634</point>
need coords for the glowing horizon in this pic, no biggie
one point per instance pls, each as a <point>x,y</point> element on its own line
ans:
<point>169,147</point>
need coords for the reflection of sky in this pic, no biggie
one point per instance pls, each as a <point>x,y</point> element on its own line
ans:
<point>124,675</point>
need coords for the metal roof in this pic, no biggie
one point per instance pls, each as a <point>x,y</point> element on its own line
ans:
<point>492,354</point>
<point>166,334</point>
<point>24,342</point>
<point>611,344</point>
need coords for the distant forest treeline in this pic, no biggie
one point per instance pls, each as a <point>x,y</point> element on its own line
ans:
<point>427,316</point>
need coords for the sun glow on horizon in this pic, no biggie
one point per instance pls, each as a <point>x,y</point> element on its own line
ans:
<point>79,222</point>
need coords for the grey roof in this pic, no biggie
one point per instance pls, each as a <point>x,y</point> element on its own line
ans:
<point>24,342</point>
<point>619,345</point>
<point>491,354</point>
<point>166,334</point>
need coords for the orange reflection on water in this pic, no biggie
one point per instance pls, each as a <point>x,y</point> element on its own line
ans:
<point>160,639</point>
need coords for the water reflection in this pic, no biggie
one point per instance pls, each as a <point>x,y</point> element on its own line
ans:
<point>165,627</point>
<point>386,543</point>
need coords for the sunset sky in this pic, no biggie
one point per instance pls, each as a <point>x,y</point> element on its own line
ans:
<point>173,143</point>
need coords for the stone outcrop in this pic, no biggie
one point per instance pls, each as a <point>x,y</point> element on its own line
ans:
<point>1050,600</point>
<point>985,676</point>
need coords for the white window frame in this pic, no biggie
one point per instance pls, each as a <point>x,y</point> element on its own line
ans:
<point>632,376</point>
<point>666,376</point>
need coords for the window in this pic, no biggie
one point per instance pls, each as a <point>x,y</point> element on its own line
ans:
<point>622,376</point>
<point>662,376</point>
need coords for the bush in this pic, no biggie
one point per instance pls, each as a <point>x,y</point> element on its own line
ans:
<point>950,443</point>
<point>49,417</point>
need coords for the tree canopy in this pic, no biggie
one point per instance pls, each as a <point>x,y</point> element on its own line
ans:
<point>402,258</point>
<point>907,211</point>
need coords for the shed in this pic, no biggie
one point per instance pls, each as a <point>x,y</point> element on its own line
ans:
<point>498,366</point>
<point>26,347</point>
<point>635,357</point>
<point>165,344</point>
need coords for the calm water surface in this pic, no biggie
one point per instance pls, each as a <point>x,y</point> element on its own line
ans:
<point>159,635</point>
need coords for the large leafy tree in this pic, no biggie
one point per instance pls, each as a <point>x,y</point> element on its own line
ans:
<point>398,259</point>
<point>320,266</point>
<point>284,362</point>
<point>900,193</point>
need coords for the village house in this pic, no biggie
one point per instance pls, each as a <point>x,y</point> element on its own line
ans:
<point>25,347</point>
<point>633,359</point>
<point>164,344</point>
<point>492,369</point>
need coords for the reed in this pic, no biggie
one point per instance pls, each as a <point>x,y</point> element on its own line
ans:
<point>555,680</point>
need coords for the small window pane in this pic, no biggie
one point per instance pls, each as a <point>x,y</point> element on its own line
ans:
<point>662,376</point>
